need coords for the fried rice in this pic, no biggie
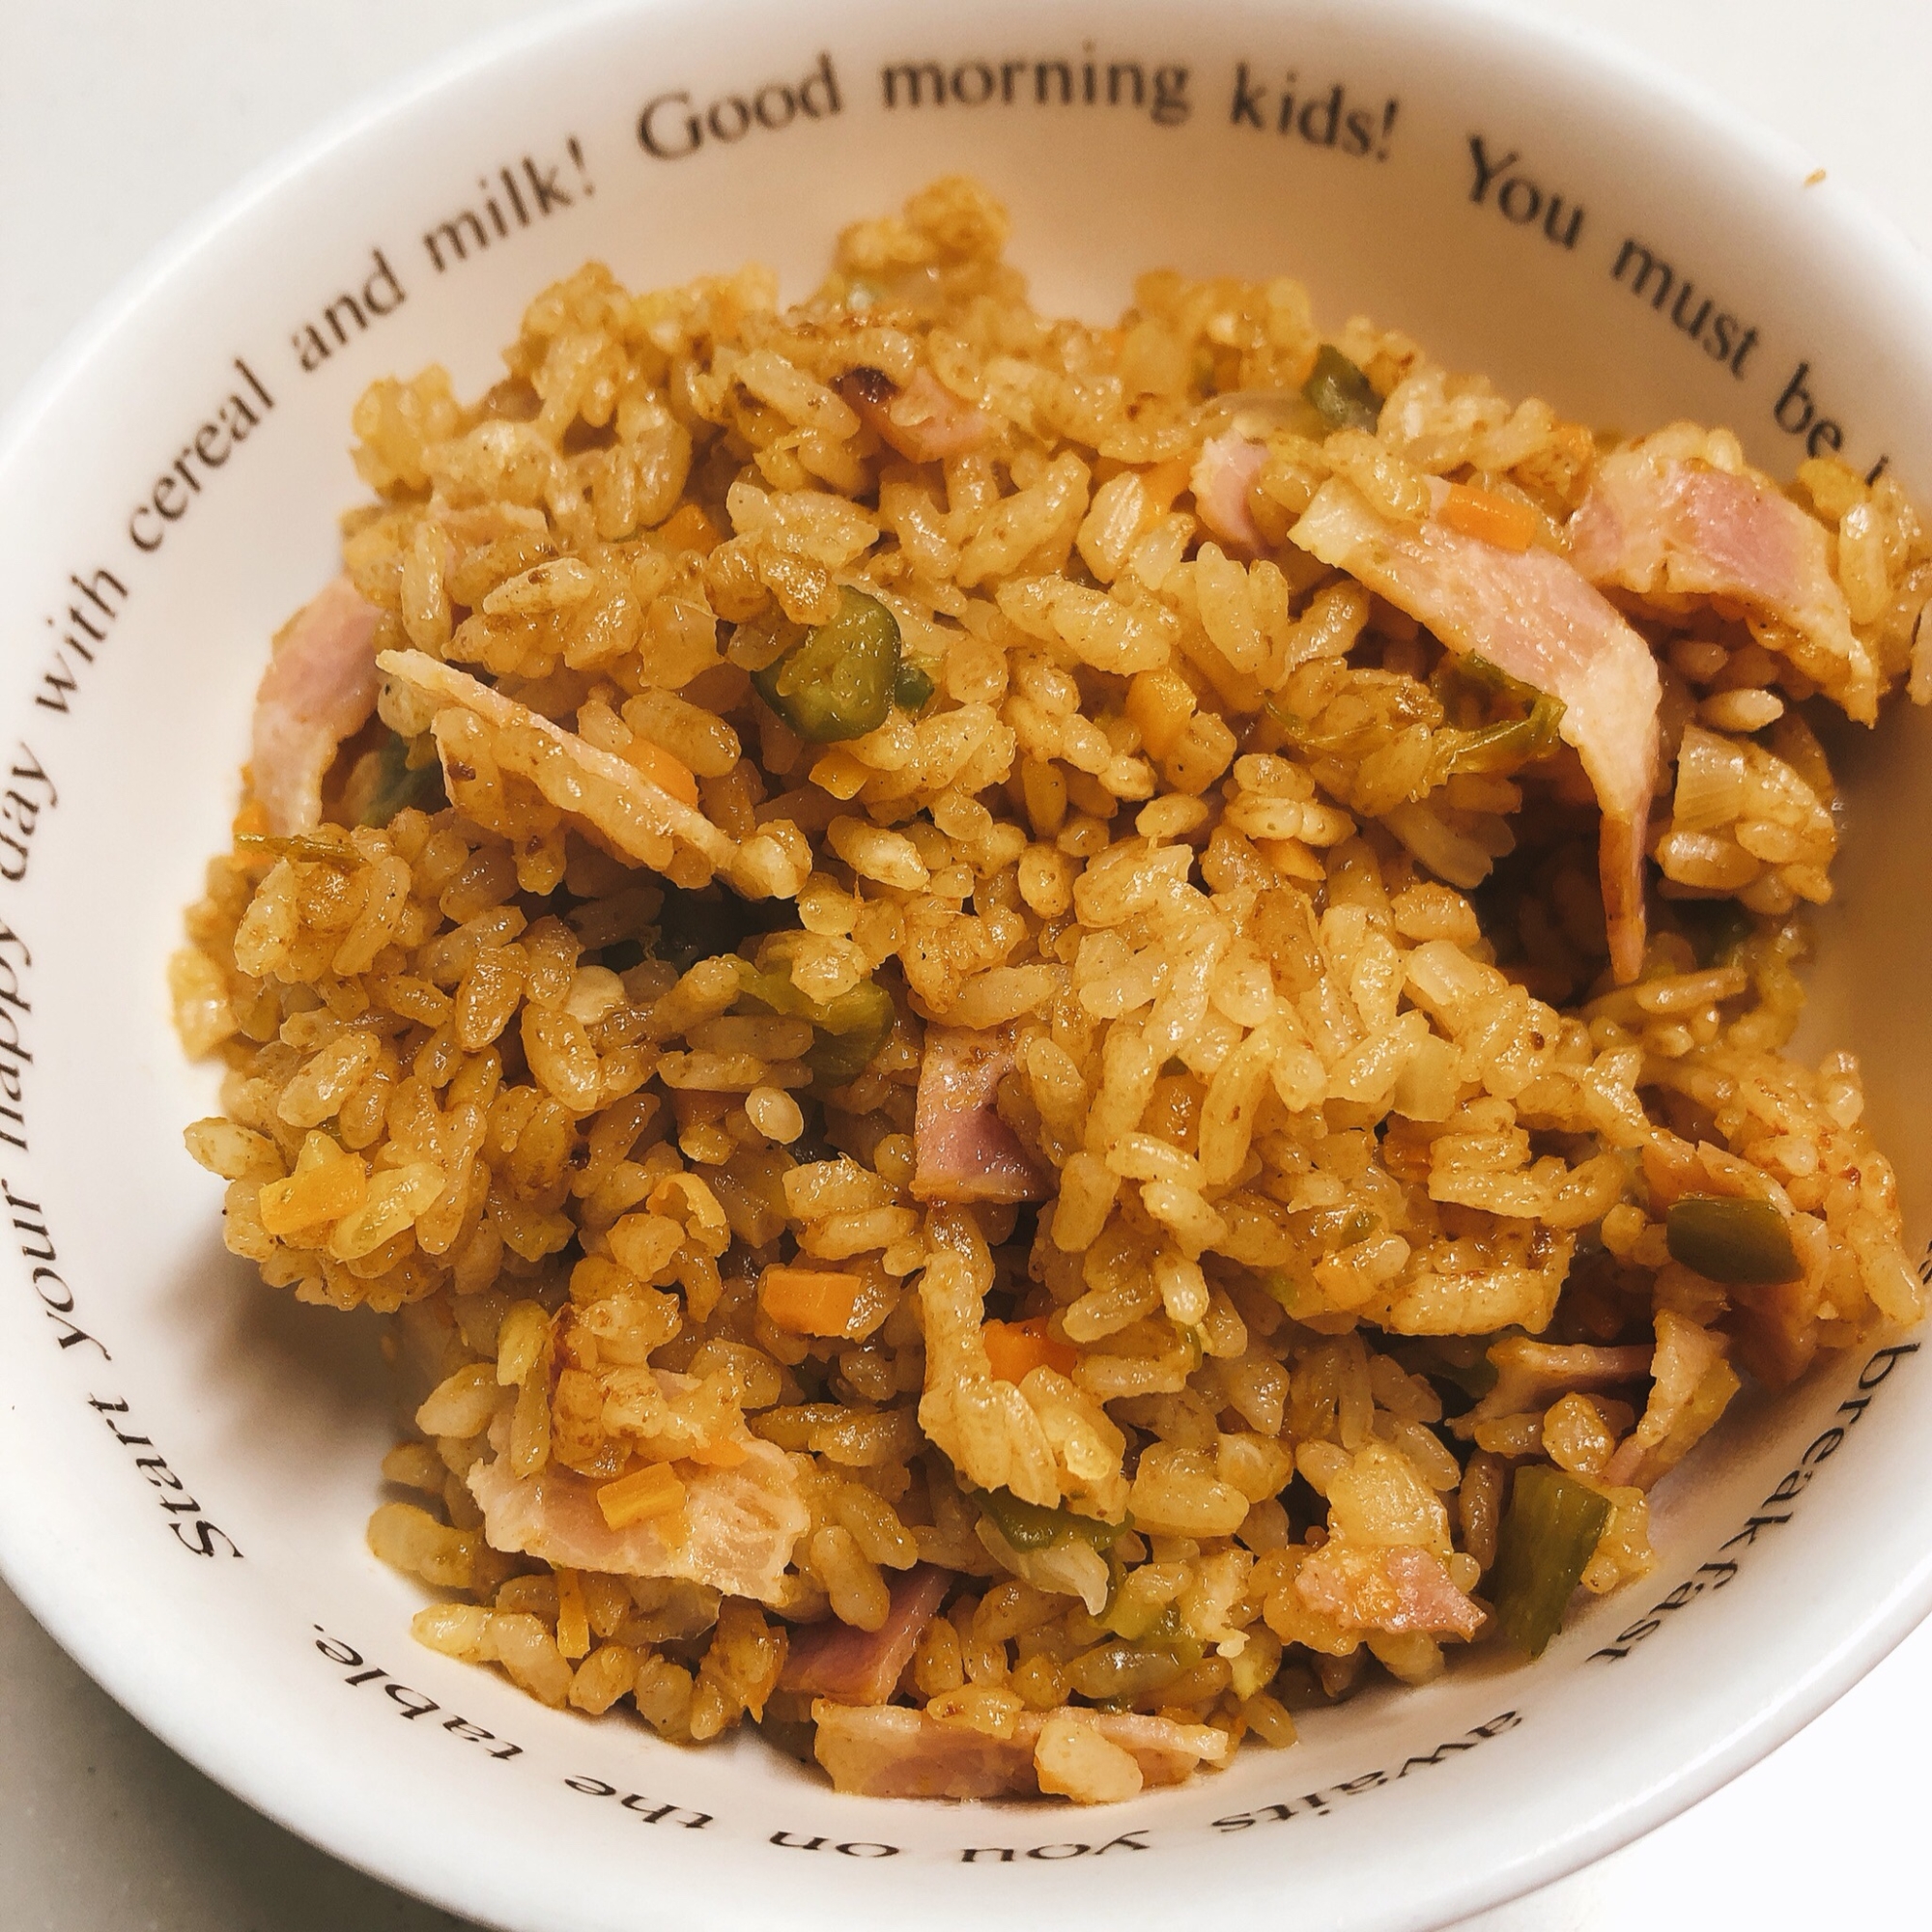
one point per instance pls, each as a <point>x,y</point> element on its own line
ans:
<point>1045,1041</point>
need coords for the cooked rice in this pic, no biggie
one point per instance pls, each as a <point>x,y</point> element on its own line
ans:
<point>1313,1038</point>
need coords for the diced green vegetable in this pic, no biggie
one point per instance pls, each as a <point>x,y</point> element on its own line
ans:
<point>1491,722</point>
<point>838,681</point>
<point>399,788</point>
<point>1400,703</point>
<point>849,1030</point>
<point>1505,747</point>
<point>1731,1241</point>
<point>1549,1535</point>
<point>1032,1527</point>
<point>1343,396</point>
<point>914,688</point>
<point>838,1057</point>
<point>1469,686</point>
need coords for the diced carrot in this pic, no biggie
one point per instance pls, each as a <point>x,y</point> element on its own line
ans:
<point>727,1453</point>
<point>251,821</point>
<point>1494,519</point>
<point>840,774</point>
<point>323,1187</point>
<point>1015,1349</point>
<point>667,773</point>
<point>1160,703</point>
<point>810,1301</point>
<point>1163,483</point>
<point>690,529</point>
<point>653,1490</point>
<point>573,1621</point>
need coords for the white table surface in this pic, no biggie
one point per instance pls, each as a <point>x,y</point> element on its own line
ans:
<point>118,119</point>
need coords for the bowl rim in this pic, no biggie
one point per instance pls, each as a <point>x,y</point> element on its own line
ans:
<point>231,1754</point>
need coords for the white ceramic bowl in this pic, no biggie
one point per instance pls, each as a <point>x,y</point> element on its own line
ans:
<point>188,1459</point>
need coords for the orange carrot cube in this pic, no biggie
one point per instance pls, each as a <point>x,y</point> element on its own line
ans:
<point>1015,1349</point>
<point>810,1301</point>
<point>653,1490</point>
<point>1494,518</point>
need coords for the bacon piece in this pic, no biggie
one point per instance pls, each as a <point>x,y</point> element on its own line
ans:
<point>1223,474</point>
<point>925,422</point>
<point>320,687</point>
<point>1620,880</point>
<point>1531,614</point>
<point>1400,1589</point>
<point>640,820</point>
<point>962,1150</point>
<point>885,1750</point>
<point>1667,524</point>
<point>1529,1372</point>
<point>1692,1383</point>
<point>854,1667</point>
<point>1165,1750</point>
<point>742,1524</point>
